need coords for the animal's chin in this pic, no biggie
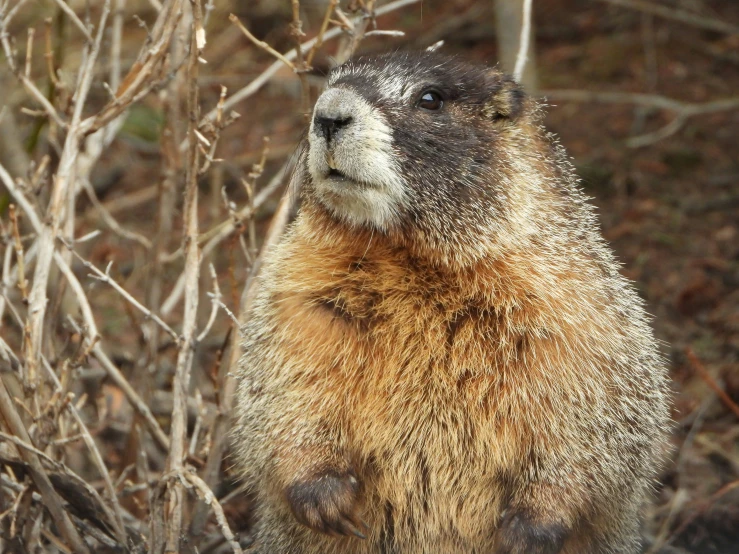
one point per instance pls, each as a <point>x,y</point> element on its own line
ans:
<point>354,202</point>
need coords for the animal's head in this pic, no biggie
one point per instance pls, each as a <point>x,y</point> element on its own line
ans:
<point>397,138</point>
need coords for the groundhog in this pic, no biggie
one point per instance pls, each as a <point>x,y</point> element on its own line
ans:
<point>442,357</point>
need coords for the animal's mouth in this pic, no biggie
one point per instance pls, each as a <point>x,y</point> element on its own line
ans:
<point>338,177</point>
<point>333,172</point>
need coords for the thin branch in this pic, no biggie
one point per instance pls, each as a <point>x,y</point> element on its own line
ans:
<point>703,509</point>
<point>133,397</point>
<point>110,220</point>
<point>639,99</point>
<point>261,44</point>
<point>104,276</point>
<point>7,280</point>
<point>662,133</point>
<point>675,14</point>
<point>268,73</point>
<point>384,33</point>
<point>523,41</point>
<point>356,29</point>
<point>49,496</point>
<point>62,5</point>
<point>711,382</point>
<point>22,283</point>
<point>225,377</point>
<point>25,81</point>
<point>11,14</point>
<point>330,7</point>
<point>29,52</point>
<point>682,110</point>
<point>140,78</point>
<point>207,496</point>
<point>59,198</point>
<point>216,302</point>
<point>301,68</point>
<point>177,451</point>
<point>115,44</point>
<point>86,310</point>
<point>116,518</point>
<point>217,234</point>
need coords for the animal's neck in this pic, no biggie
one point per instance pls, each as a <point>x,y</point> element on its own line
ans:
<point>511,273</point>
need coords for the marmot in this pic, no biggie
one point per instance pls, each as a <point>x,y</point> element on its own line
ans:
<point>442,357</point>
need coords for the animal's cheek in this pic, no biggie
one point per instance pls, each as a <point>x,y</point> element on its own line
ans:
<point>520,533</point>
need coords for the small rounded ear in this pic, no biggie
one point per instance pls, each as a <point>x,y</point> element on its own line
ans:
<point>506,98</point>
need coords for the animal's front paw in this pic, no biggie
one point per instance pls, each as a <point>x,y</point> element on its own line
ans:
<point>328,503</point>
<point>521,533</point>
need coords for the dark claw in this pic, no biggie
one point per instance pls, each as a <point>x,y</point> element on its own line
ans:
<point>327,503</point>
<point>347,527</point>
<point>520,533</point>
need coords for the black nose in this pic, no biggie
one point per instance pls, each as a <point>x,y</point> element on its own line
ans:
<point>330,126</point>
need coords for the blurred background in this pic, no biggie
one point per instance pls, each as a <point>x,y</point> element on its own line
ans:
<point>644,95</point>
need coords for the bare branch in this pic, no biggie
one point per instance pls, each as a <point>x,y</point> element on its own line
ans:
<point>676,14</point>
<point>114,373</point>
<point>207,496</point>
<point>216,235</point>
<point>104,276</point>
<point>25,81</point>
<point>523,41</point>
<point>11,14</point>
<point>140,77</point>
<point>62,5</point>
<point>49,496</point>
<point>178,431</point>
<point>22,283</point>
<point>29,52</point>
<point>115,517</point>
<point>706,376</point>
<point>268,73</point>
<point>110,220</point>
<point>60,191</point>
<point>261,44</point>
<point>330,7</point>
<point>682,110</point>
<point>216,302</point>
<point>225,377</point>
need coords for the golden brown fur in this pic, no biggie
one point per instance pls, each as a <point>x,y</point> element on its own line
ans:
<point>502,396</point>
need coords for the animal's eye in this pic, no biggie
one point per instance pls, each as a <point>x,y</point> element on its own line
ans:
<point>430,100</point>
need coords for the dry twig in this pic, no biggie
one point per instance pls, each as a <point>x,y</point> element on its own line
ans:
<point>268,73</point>
<point>676,14</point>
<point>261,44</point>
<point>88,317</point>
<point>682,110</point>
<point>59,200</point>
<point>49,496</point>
<point>177,450</point>
<point>22,283</point>
<point>206,495</point>
<point>523,41</point>
<point>711,382</point>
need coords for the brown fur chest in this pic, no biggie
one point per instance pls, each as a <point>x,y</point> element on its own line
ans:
<point>413,359</point>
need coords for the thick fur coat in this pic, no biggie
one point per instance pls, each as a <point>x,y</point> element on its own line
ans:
<point>463,370</point>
